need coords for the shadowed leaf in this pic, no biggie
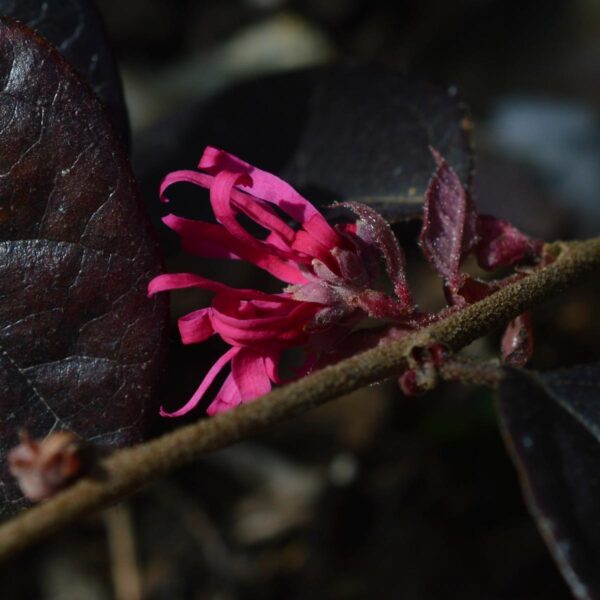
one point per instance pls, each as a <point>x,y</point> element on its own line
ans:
<point>340,134</point>
<point>551,424</point>
<point>80,344</point>
<point>76,29</point>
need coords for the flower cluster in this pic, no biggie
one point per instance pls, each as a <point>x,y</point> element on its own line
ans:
<point>329,271</point>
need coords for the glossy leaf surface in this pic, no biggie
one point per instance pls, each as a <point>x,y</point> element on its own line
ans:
<point>80,344</point>
<point>76,29</point>
<point>551,424</point>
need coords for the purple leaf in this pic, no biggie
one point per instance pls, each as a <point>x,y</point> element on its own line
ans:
<point>449,230</point>
<point>503,245</point>
<point>81,346</point>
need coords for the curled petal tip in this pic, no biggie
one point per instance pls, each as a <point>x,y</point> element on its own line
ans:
<point>163,413</point>
<point>209,157</point>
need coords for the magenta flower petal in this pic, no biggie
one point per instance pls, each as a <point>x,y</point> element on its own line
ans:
<point>214,241</point>
<point>215,160</point>
<point>180,281</point>
<point>273,239</point>
<point>272,364</point>
<point>244,323</point>
<point>250,374</point>
<point>220,199</point>
<point>196,326</point>
<point>273,189</point>
<point>203,388</point>
<point>202,239</point>
<point>228,397</point>
<point>221,192</point>
<point>199,179</point>
<point>329,270</point>
<point>307,244</point>
<point>243,201</point>
<point>264,216</point>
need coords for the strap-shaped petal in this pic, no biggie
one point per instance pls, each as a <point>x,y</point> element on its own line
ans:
<point>214,241</point>
<point>250,374</point>
<point>228,397</point>
<point>271,188</point>
<point>180,281</point>
<point>228,198</point>
<point>195,327</point>
<point>272,357</point>
<point>184,176</point>
<point>203,388</point>
<point>282,324</point>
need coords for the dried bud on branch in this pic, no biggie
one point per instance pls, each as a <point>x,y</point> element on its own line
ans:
<point>42,467</point>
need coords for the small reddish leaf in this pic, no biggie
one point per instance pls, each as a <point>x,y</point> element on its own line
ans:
<point>449,230</point>
<point>502,245</point>
<point>376,232</point>
<point>80,344</point>
<point>551,425</point>
<point>472,290</point>
<point>517,341</point>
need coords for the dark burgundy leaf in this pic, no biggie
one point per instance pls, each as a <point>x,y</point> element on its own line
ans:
<point>80,344</point>
<point>517,341</point>
<point>339,134</point>
<point>551,424</point>
<point>76,29</point>
<point>503,245</point>
<point>449,230</point>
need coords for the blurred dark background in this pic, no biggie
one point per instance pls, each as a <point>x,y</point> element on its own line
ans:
<point>375,495</point>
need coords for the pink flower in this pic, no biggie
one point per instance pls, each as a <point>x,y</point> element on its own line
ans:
<point>329,270</point>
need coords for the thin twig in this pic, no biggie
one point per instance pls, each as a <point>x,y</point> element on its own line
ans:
<point>465,370</point>
<point>124,565</point>
<point>129,469</point>
<point>196,522</point>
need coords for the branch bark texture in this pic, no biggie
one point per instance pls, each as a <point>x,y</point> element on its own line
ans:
<point>127,470</point>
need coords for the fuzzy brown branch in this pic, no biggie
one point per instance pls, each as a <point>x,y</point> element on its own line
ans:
<point>127,470</point>
<point>457,368</point>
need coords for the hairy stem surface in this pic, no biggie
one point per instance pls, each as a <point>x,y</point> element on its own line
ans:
<point>127,470</point>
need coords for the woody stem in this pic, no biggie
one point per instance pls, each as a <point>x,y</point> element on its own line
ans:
<point>127,470</point>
